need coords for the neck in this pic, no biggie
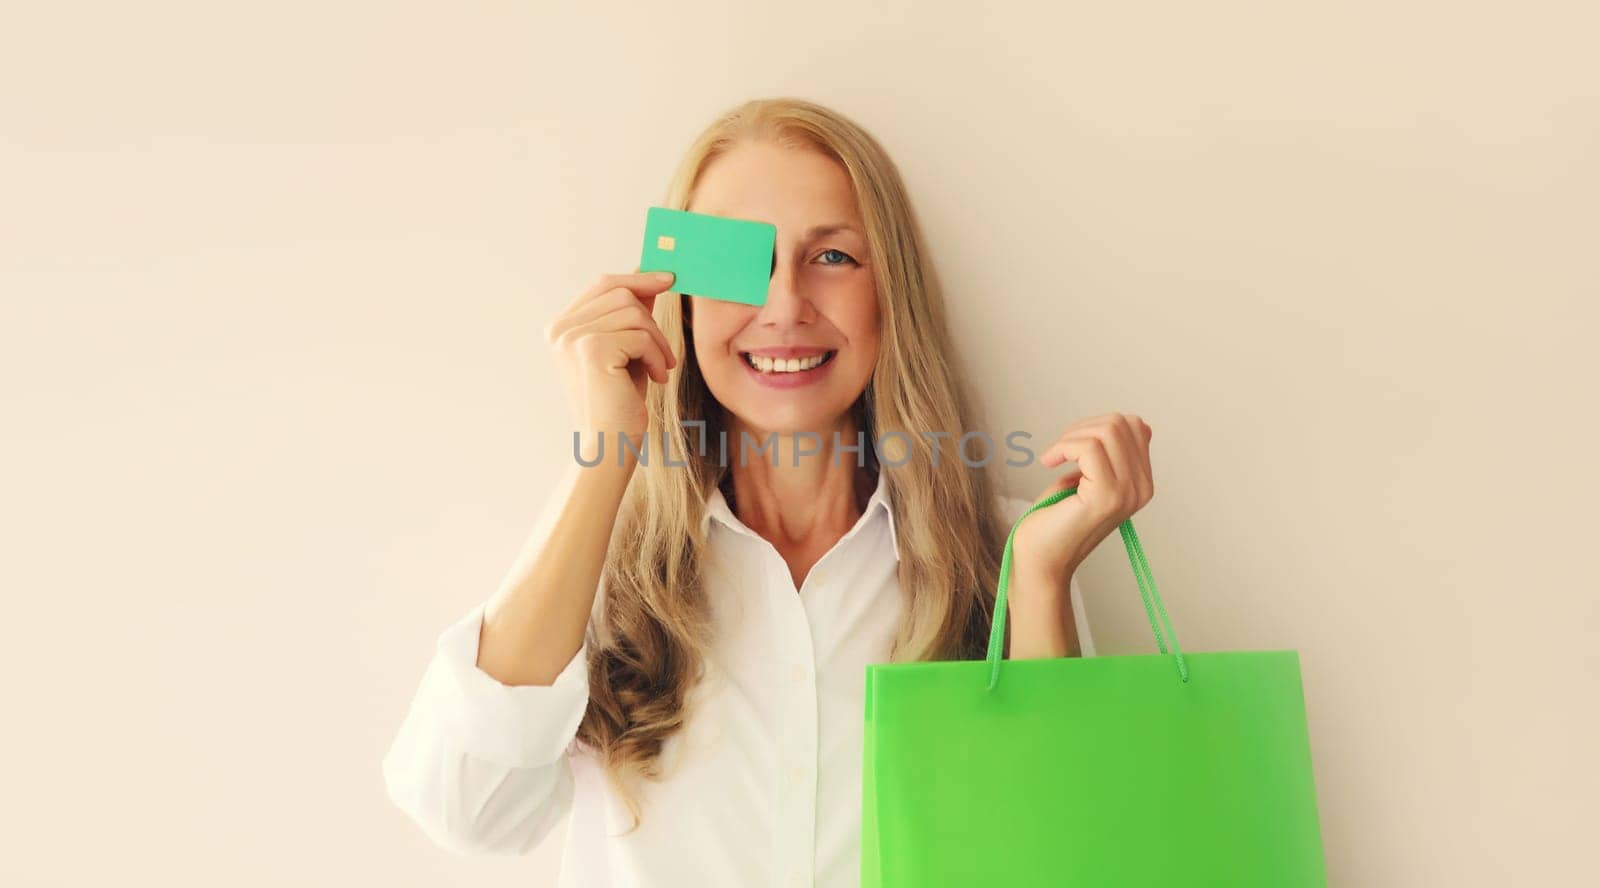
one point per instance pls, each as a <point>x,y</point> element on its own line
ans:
<point>805,496</point>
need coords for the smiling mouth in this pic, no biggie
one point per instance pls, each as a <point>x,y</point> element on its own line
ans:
<point>764,364</point>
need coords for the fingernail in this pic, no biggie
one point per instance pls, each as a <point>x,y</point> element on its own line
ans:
<point>663,275</point>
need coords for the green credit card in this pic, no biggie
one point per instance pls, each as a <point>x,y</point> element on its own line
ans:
<point>717,257</point>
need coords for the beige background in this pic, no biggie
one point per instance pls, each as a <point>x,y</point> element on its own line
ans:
<point>276,406</point>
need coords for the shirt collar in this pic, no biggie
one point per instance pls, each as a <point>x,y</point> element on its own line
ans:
<point>717,508</point>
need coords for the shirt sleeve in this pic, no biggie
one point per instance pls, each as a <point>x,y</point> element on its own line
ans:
<point>482,767</point>
<point>1080,618</point>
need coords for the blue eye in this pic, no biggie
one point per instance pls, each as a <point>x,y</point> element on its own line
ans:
<point>852,261</point>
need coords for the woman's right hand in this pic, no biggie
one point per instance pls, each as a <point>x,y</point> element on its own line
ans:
<point>607,346</point>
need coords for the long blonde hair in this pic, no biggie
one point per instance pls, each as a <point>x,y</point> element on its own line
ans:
<point>650,632</point>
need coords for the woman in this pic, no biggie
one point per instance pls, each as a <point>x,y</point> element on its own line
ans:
<point>675,664</point>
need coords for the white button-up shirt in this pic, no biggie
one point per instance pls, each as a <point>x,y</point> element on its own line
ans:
<point>763,783</point>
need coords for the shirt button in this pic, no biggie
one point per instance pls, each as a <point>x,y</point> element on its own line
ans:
<point>797,773</point>
<point>799,672</point>
<point>796,879</point>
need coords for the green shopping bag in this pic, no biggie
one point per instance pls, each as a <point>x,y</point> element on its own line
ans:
<point>1168,770</point>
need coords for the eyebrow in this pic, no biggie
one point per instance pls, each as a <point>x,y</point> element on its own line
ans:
<point>820,230</point>
<point>813,231</point>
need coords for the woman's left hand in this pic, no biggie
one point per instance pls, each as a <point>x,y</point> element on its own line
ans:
<point>1113,480</point>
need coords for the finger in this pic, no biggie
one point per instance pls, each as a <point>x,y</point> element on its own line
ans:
<point>618,309</point>
<point>1051,457</point>
<point>1089,452</point>
<point>1055,455</point>
<point>636,317</point>
<point>1111,429</point>
<point>1094,465</point>
<point>1139,432</point>
<point>641,346</point>
<point>1148,466</point>
<point>657,285</point>
<point>1134,459</point>
<point>1122,450</point>
<point>617,349</point>
<point>644,286</point>
<point>585,312</point>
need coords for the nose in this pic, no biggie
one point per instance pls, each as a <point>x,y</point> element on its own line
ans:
<point>785,304</point>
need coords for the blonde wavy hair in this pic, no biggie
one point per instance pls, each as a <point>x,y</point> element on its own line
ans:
<point>649,634</point>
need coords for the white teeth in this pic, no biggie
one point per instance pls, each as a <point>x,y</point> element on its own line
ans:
<point>784,365</point>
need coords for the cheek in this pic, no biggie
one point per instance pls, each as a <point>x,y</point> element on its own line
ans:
<point>713,328</point>
<point>859,324</point>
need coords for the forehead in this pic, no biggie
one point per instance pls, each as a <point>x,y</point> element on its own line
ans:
<point>792,188</point>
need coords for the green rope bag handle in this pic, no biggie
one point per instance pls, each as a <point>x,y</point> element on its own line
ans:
<point>1141,574</point>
